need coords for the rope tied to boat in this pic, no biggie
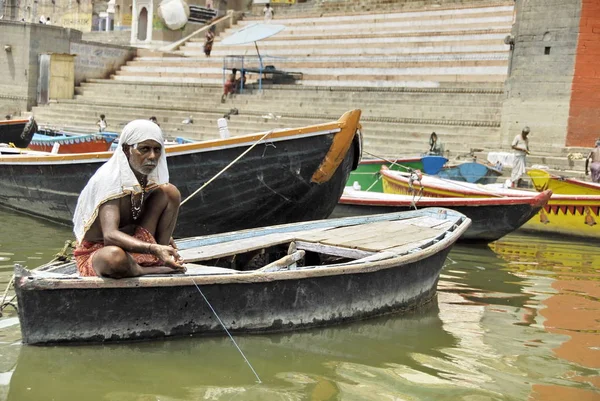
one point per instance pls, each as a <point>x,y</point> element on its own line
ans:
<point>415,175</point>
<point>226,168</point>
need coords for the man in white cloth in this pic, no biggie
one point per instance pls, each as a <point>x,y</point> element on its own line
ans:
<point>268,12</point>
<point>521,147</point>
<point>126,214</point>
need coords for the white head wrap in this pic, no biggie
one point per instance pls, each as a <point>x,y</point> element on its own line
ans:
<point>115,178</point>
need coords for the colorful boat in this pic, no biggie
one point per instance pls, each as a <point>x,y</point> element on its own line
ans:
<point>543,180</point>
<point>576,215</point>
<point>17,132</point>
<point>278,278</point>
<point>492,218</point>
<point>470,172</point>
<point>68,144</point>
<point>366,176</point>
<point>290,175</point>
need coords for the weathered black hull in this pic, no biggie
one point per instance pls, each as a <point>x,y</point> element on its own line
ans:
<point>489,222</point>
<point>270,185</point>
<point>12,132</point>
<point>272,306</point>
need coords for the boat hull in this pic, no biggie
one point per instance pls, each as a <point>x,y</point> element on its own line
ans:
<point>258,307</point>
<point>71,144</point>
<point>574,215</point>
<point>568,216</point>
<point>12,131</point>
<point>72,309</point>
<point>489,221</point>
<point>291,178</point>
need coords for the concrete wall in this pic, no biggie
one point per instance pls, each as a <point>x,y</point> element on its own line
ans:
<point>20,67</point>
<point>96,60</point>
<point>584,113</point>
<point>538,89</point>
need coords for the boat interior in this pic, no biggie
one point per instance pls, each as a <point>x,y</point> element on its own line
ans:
<point>323,247</point>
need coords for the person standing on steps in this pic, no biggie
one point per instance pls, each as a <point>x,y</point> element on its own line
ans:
<point>101,123</point>
<point>521,147</point>
<point>209,39</point>
<point>594,166</point>
<point>268,12</point>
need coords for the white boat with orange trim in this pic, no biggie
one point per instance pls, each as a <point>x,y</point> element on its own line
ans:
<point>492,218</point>
<point>289,175</point>
<point>576,215</point>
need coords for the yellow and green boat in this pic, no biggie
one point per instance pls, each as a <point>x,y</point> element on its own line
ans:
<point>567,214</point>
<point>543,180</point>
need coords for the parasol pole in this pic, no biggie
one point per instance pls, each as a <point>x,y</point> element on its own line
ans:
<point>260,67</point>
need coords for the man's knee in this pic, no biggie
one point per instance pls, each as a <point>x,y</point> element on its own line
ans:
<point>172,193</point>
<point>112,261</point>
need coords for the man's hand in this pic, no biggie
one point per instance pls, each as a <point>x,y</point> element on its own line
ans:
<point>168,255</point>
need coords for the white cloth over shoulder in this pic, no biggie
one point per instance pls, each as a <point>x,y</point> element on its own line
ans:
<point>115,178</point>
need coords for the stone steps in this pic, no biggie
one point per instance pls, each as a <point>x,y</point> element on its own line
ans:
<point>431,13</point>
<point>329,8</point>
<point>383,108</point>
<point>438,70</point>
<point>73,107</point>
<point>485,104</point>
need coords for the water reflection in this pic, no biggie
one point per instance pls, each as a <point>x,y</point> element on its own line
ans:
<point>571,310</point>
<point>291,365</point>
<point>514,321</point>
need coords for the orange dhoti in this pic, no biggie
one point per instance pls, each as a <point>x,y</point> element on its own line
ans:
<point>84,253</point>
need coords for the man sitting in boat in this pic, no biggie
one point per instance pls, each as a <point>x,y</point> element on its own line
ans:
<point>126,214</point>
<point>436,147</point>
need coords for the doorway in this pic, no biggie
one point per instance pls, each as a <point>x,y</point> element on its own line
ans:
<point>142,30</point>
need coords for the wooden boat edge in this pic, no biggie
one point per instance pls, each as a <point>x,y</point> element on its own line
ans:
<point>26,282</point>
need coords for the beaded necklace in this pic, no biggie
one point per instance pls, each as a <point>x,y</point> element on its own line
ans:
<point>136,209</point>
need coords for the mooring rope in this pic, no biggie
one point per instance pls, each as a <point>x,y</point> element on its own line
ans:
<point>225,169</point>
<point>226,331</point>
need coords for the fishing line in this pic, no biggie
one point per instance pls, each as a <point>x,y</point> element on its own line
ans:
<point>226,331</point>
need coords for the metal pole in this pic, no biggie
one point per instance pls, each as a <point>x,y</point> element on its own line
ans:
<point>260,68</point>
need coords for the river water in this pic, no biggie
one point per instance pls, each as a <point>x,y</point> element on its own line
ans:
<point>516,320</point>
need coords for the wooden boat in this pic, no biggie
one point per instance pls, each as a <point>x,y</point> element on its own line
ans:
<point>575,215</point>
<point>367,172</point>
<point>470,172</point>
<point>68,144</point>
<point>277,278</point>
<point>492,218</point>
<point>16,132</point>
<point>543,180</point>
<point>292,175</point>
